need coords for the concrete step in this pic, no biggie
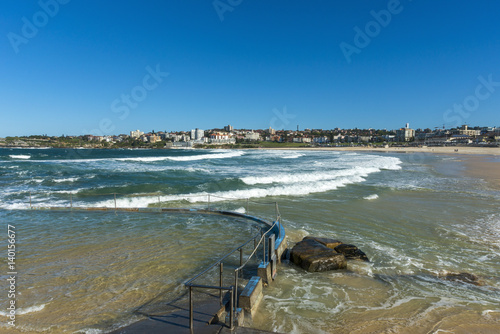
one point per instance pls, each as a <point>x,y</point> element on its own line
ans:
<point>178,322</point>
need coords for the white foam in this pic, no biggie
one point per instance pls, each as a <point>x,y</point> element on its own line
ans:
<point>240,210</point>
<point>371,197</point>
<point>74,191</point>
<point>216,155</point>
<point>230,154</point>
<point>144,159</point>
<point>14,206</point>
<point>69,179</point>
<point>26,310</point>
<point>91,331</point>
<point>307,177</point>
<point>486,313</point>
<point>293,156</point>
<point>20,156</point>
<point>297,189</point>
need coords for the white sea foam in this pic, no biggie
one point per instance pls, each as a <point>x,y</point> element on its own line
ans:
<point>298,189</point>
<point>307,177</point>
<point>225,155</point>
<point>371,197</point>
<point>486,313</point>
<point>69,179</point>
<point>240,210</point>
<point>26,310</point>
<point>144,159</point>
<point>20,156</point>
<point>293,156</point>
<point>14,205</point>
<point>91,331</point>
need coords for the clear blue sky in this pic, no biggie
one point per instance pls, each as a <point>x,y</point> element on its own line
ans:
<point>251,64</point>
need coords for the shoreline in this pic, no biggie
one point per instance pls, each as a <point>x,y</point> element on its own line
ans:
<point>455,150</point>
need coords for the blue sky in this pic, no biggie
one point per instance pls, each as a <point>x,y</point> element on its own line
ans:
<point>100,67</point>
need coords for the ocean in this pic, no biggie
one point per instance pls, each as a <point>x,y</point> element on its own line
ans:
<point>416,216</point>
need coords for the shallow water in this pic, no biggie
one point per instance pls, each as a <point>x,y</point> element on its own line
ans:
<point>415,215</point>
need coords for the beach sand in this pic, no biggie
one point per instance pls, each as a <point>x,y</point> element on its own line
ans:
<point>495,151</point>
<point>486,168</point>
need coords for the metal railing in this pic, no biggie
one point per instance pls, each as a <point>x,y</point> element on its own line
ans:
<point>233,289</point>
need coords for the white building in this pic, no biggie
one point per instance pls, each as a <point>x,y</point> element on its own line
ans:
<point>252,136</point>
<point>221,138</point>
<point>405,134</point>
<point>321,140</point>
<point>136,134</point>
<point>197,134</point>
<point>302,140</point>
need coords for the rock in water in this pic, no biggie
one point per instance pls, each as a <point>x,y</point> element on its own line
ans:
<point>314,256</point>
<point>330,243</point>
<point>462,277</point>
<point>351,252</point>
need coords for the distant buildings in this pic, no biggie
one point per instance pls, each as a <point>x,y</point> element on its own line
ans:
<point>405,134</point>
<point>197,134</point>
<point>301,140</point>
<point>221,138</point>
<point>136,134</point>
<point>465,131</point>
<point>317,137</point>
<point>252,136</point>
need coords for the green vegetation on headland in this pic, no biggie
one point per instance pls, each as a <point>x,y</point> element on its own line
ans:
<point>262,144</point>
<point>75,142</point>
<point>66,142</point>
<point>241,139</point>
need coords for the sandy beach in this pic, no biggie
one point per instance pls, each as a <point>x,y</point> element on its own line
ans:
<point>486,168</point>
<point>436,150</point>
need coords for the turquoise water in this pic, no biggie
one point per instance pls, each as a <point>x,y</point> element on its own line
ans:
<point>416,216</point>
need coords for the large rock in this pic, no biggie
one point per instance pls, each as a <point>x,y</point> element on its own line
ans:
<point>327,242</point>
<point>314,256</point>
<point>351,252</point>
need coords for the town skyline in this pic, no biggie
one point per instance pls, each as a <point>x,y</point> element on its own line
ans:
<point>228,136</point>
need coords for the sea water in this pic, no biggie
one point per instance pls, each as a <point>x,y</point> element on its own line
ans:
<point>416,216</point>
